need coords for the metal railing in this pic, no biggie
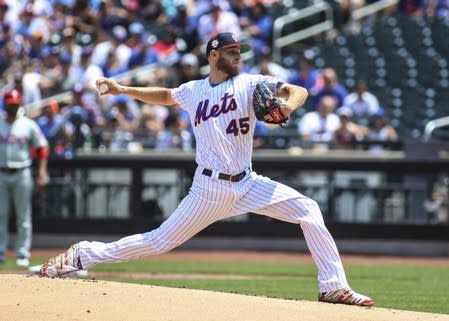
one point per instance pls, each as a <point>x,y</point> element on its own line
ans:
<point>434,124</point>
<point>372,9</point>
<point>327,24</point>
<point>280,41</point>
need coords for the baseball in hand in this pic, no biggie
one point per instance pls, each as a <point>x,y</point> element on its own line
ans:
<point>103,87</point>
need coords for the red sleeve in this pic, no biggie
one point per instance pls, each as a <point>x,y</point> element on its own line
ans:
<point>41,152</point>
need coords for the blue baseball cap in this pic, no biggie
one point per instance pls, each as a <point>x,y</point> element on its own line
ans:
<point>225,40</point>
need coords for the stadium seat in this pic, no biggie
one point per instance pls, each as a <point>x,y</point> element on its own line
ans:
<point>405,62</point>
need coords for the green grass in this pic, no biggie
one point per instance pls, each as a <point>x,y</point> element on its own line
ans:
<point>267,269</point>
<point>405,287</point>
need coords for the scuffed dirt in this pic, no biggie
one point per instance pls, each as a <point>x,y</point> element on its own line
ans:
<point>29,298</point>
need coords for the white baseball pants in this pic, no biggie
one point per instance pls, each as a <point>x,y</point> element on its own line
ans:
<point>210,200</point>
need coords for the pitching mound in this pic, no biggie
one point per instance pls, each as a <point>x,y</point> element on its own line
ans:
<point>34,298</point>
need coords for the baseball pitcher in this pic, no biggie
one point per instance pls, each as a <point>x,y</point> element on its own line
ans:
<point>222,109</point>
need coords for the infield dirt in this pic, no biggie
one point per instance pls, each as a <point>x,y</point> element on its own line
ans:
<point>26,298</point>
<point>32,298</point>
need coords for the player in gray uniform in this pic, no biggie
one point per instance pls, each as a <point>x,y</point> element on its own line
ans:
<point>223,121</point>
<point>18,134</point>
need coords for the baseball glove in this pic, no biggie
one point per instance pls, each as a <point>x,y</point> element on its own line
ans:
<point>266,103</point>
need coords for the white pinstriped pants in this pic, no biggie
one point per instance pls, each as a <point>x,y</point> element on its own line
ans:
<point>211,200</point>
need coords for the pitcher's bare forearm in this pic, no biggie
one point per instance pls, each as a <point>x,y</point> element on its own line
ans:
<point>150,95</point>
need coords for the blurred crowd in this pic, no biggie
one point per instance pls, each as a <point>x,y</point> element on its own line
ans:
<point>48,47</point>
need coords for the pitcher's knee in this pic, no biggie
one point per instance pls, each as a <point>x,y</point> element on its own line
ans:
<point>311,207</point>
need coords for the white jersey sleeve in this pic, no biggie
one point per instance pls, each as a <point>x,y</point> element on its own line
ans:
<point>182,95</point>
<point>222,119</point>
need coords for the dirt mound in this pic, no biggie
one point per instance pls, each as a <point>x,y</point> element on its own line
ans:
<point>24,298</point>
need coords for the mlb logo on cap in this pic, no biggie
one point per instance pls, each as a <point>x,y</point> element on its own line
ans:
<point>225,40</point>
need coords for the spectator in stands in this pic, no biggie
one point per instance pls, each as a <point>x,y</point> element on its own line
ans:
<point>258,25</point>
<point>266,66</point>
<point>122,115</point>
<point>186,28</point>
<point>413,8</point>
<point>176,133</point>
<point>239,7</point>
<point>111,14</point>
<point>380,132</point>
<point>32,79</point>
<point>362,103</point>
<point>217,20</point>
<point>141,53</point>
<point>198,8</point>
<point>35,45</point>
<point>153,11</point>
<point>69,46</point>
<point>307,76</point>
<point>85,115</point>
<point>84,16</point>
<point>136,31</point>
<point>57,129</point>
<point>136,43</point>
<point>68,81</point>
<point>189,68</point>
<point>122,122</point>
<point>4,54</point>
<point>30,24</point>
<point>57,19</point>
<point>114,43</point>
<point>112,65</point>
<point>88,71</point>
<point>439,9</point>
<point>331,87</point>
<point>343,15</point>
<point>43,8</point>
<point>150,127</point>
<point>317,128</point>
<point>3,19</point>
<point>348,134</point>
<point>52,76</point>
<point>164,49</point>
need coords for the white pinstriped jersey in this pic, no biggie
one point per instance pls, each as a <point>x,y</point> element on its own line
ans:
<point>223,122</point>
<point>16,140</point>
<point>223,119</point>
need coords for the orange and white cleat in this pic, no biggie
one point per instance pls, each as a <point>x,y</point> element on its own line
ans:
<point>62,264</point>
<point>346,296</point>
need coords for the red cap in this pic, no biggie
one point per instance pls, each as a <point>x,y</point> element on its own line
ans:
<point>12,97</point>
